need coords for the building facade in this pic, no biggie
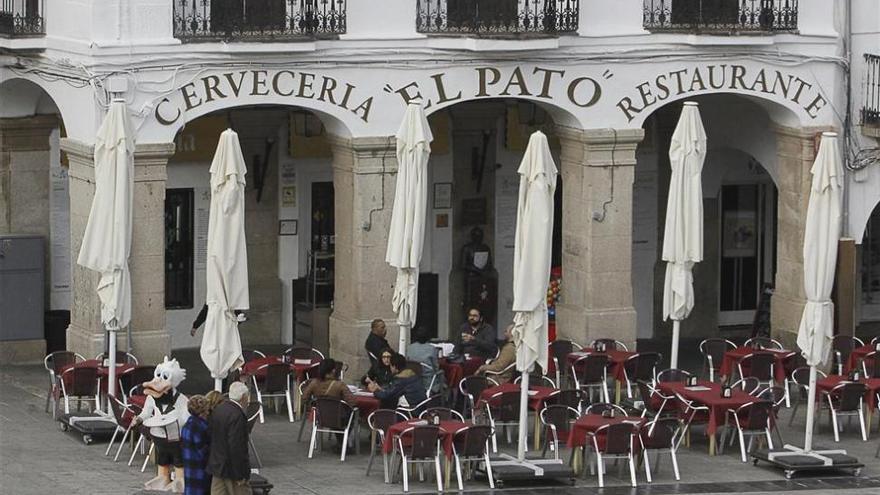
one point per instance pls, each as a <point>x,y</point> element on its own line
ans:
<point>316,91</point>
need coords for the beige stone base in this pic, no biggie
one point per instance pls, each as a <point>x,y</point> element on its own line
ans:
<point>22,351</point>
<point>148,346</point>
<point>583,326</point>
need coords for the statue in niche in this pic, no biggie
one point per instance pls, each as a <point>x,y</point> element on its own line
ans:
<point>480,281</point>
<point>476,257</point>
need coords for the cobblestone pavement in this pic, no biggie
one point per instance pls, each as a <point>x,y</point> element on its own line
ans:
<point>36,457</point>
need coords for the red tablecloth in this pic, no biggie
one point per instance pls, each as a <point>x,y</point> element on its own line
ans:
<point>615,358</point>
<point>712,398</point>
<point>456,372</point>
<point>577,437</point>
<point>731,358</point>
<point>366,404</point>
<point>855,358</point>
<point>537,395</point>
<point>447,430</point>
<point>103,371</point>
<point>831,381</point>
<point>252,368</point>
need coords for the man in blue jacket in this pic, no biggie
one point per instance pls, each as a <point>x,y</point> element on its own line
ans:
<point>406,383</point>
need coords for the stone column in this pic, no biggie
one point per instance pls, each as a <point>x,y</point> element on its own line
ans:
<point>364,174</point>
<point>24,204</point>
<point>795,153</point>
<point>150,339</point>
<point>597,176</point>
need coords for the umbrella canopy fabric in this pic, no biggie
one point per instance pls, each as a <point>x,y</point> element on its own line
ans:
<point>532,252</point>
<point>683,233</point>
<point>407,231</point>
<point>227,272</point>
<point>821,237</point>
<point>106,243</point>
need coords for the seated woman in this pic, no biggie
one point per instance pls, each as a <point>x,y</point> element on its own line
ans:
<point>327,384</point>
<point>423,352</point>
<point>405,384</point>
<point>499,365</point>
<point>381,373</point>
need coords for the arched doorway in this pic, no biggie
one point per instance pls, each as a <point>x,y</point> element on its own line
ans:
<point>869,313</point>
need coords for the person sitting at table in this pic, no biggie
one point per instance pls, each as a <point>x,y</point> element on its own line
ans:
<point>505,358</point>
<point>476,336</point>
<point>380,371</point>
<point>423,352</point>
<point>328,385</point>
<point>406,384</point>
<point>376,340</point>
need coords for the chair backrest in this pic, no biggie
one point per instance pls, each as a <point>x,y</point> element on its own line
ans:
<point>332,413</point>
<point>251,354</point>
<point>618,438</point>
<point>561,417</point>
<point>774,394</point>
<point>660,433</point>
<point>382,419</point>
<point>508,406</point>
<point>749,384</point>
<point>642,366</point>
<point>122,357</point>
<point>763,342</point>
<point>650,396</point>
<point>536,379</point>
<point>560,349</point>
<point>591,368</point>
<point>673,375</point>
<point>423,441</point>
<point>574,398</point>
<point>473,386</point>
<point>294,354</point>
<point>443,413</point>
<point>755,415</point>
<point>715,348</point>
<point>123,414</point>
<point>472,441</point>
<point>252,413</point>
<point>849,395</point>
<point>601,407</point>
<point>760,365</point>
<point>610,344</point>
<point>431,402</point>
<point>138,375</point>
<point>81,382</point>
<point>57,360</point>
<point>276,378</point>
<point>801,375</point>
<point>872,370</point>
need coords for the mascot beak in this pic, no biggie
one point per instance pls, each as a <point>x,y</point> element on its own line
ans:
<point>157,387</point>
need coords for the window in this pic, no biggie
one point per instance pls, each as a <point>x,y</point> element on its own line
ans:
<point>179,249</point>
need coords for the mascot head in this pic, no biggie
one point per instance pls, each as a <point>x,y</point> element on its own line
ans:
<point>167,377</point>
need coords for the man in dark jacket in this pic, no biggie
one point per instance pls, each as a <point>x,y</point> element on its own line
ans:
<point>228,461</point>
<point>376,340</point>
<point>476,336</point>
<point>406,383</point>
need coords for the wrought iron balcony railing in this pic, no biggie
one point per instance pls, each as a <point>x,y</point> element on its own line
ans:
<point>21,18</point>
<point>243,20</point>
<point>871,106</point>
<point>497,17</point>
<point>721,16</point>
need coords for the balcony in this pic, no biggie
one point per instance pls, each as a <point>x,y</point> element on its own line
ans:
<point>267,20</point>
<point>721,16</point>
<point>21,18</point>
<point>871,106</point>
<point>497,17</point>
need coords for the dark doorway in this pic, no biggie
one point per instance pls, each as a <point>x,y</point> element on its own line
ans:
<point>179,248</point>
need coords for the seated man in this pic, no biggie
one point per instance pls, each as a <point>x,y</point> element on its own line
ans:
<point>505,358</point>
<point>376,340</point>
<point>476,336</point>
<point>423,352</point>
<point>406,384</point>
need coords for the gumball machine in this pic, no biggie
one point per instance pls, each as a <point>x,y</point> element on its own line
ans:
<point>554,290</point>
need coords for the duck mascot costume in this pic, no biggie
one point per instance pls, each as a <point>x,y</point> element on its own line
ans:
<point>165,412</point>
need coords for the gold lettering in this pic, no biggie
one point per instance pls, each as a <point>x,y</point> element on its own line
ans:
<point>484,83</point>
<point>163,120</point>
<point>572,90</point>
<point>277,87</point>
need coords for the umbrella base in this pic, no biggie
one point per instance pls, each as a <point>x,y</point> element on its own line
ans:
<point>509,468</point>
<point>793,460</point>
<point>92,426</point>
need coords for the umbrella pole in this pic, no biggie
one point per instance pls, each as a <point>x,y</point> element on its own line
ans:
<point>218,384</point>
<point>523,416</point>
<point>111,368</point>
<point>811,410</point>
<point>673,355</point>
<point>404,336</point>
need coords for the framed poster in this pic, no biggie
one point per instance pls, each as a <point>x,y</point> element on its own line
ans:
<point>442,195</point>
<point>287,227</point>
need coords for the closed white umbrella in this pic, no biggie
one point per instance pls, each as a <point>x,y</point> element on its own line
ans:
<point>407,232</point>
<point>531,266</point>
<point>683,234</point>
<point>227,273</point>
<point>106,243</point>
<point>821,236</point>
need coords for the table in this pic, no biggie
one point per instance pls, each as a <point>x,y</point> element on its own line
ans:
<point>718,405</point>
<point>616,360</point>
<point>103,371</point>
<point>856,357</point>
<point>456,372</point>
<point>829,382</point>
<point>733,357</point>
<point>365,402</point>
<point>537,396</point>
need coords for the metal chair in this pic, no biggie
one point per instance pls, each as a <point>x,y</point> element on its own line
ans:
<point>693,414</point>
<point>276,384</point>
<point>428,371</point>
<point>303,409</point>
<point>800,377</point>
<point>135,377</point>
<point>471,444</point>
<point>81,383</point>
<point>299,355</point>
<point>761,365</point>
<point>443,413</point>
<point>641,366</point>
<point>504,413</point>
<point>557,420</point>
<point>253,411</point>
<point>713,351</point>
<point>749,385</point>
<point>251,354</point>
<point>122,357</point>
<point>659,437</point>
<point>610,344</point>
<point>763,343</point>
<point>423,446</point>
<point>55,363</point>
<point>619,444</point>
<point>471,388</point>
<point>414,411</point>
<point>874,358</point>
<point>601,407</point>
<point>331,416</point>
<point>590,372</point>
<point>776,396</point>
<point>841,347</point>
<point>379,421</point>
<point>654,400</point>
<point>496,375</point>
<point>750,419</point>
<point>124,416</point>
<point>673,375</point>
<point>559,351</point>
<point>537,379</point>
<point>846,399</point>
<point>573,398</point>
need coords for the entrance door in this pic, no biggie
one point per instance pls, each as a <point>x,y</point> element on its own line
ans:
<point>871,269</point>
<point>747,249</point>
